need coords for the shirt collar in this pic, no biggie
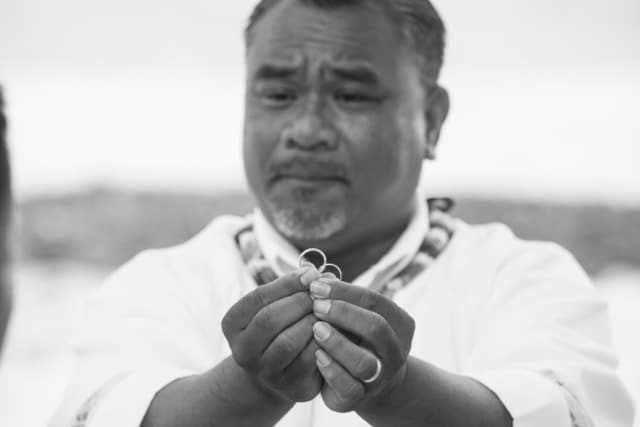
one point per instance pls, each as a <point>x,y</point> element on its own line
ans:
<point>283,257</point>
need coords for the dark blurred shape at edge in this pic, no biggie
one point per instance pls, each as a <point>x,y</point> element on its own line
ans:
<point>5,219</point>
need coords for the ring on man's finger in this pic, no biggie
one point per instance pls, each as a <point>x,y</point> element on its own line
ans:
<point>376,374</point>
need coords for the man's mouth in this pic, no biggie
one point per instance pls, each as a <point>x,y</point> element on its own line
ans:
<point>310,178</point>
<point>310,172</point>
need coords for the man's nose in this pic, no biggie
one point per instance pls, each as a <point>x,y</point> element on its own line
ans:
<point>311,130</point>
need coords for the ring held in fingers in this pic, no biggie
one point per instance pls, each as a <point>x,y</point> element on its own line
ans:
<point>331,269</point>
<point>313,257</point>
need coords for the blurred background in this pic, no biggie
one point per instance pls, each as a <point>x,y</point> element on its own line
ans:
<point>126,124</point>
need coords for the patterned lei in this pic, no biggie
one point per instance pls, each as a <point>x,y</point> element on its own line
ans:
<point>388,282</point>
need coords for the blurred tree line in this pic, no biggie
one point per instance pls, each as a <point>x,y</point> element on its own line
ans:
<point>107,227</point>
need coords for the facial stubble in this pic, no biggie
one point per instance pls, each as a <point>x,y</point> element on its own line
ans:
<point>307,220</point>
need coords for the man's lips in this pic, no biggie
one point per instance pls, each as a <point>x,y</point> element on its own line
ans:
<point>310,178</point>
<point>310,171</point>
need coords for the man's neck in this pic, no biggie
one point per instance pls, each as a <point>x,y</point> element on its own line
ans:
<point>355,249</point>
<point>355,259</point>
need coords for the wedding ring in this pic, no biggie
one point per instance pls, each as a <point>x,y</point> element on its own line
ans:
<point>316,258</point>
<point>377,373</point>
<point>307,256</point>
<point>331,268</point>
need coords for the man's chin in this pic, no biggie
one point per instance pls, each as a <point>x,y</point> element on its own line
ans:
<point>307,223</point>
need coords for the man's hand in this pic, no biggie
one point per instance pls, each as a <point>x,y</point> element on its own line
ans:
<point>270,335</point>
<point>384,332</point>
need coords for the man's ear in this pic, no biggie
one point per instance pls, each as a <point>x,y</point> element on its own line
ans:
<point>436,112</point>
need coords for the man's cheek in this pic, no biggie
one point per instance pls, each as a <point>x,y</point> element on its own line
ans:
<point>259,143</point>
<point>357,131</point>
<point>382,157</point>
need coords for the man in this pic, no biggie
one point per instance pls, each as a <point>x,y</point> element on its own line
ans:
<point>6,296</point>
<point>342,106</point>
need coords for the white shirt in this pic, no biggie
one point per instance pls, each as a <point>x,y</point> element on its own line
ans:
<point>520,317</point>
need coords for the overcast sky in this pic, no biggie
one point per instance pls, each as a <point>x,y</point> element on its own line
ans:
<point>545,96</point>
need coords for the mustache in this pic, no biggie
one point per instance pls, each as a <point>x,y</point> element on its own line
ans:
<point>305,167</point>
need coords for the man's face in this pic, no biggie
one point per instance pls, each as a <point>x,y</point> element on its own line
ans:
<point>334,133</point>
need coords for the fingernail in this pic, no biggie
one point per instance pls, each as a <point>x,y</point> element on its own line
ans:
<point>320,289</point>
<point>321,331</point>
<point>322,359</point>
<point>309,276</point>
<point>321,306</point>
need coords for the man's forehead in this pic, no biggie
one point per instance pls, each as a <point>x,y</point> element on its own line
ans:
<point>347,36</point>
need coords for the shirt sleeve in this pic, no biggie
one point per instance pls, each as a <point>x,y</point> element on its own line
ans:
<point>141,331</point>
<point>543,344</point>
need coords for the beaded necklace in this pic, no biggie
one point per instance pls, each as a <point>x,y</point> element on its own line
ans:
<point>441,230</point>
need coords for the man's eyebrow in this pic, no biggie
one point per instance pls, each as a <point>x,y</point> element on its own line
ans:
<point>276,71</point>
<point>358,73</point>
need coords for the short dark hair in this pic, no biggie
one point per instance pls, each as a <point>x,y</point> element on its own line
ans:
<point>420,23</point>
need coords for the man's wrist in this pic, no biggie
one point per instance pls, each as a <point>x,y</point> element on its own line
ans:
<point>224,395</point>
<point>241,390</point>
<point>431,396</point>
<point>390,399</point>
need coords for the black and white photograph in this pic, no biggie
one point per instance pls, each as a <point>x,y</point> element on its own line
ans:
<point>310,213</point>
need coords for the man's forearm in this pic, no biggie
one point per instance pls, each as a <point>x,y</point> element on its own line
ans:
<point>431,397</point>
<point>223,396</point>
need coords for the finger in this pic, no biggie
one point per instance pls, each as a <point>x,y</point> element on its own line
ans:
<point>398,319</point>
<point>302,374</point>
<point>358,361</point>
<point>242,312</point>
<point>342,391</point>
<point>268,323</point>
<point>374,331</point>
<point>289,343</point>
<point>304,364</point>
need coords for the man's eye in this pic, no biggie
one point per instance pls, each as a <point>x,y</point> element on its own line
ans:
<point>279,97</point>
<point>353,97</point>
